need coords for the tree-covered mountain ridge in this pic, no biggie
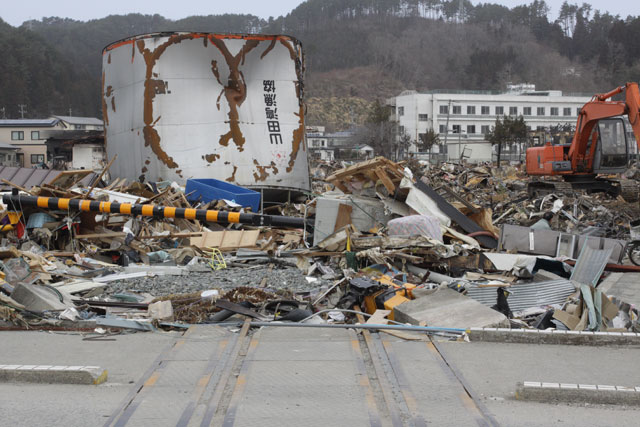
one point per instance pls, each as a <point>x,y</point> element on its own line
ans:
<point>356,51</point>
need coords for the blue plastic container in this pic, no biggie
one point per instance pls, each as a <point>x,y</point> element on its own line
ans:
<point>206,190</point>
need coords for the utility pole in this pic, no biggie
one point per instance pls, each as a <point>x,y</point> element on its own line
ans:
<point>70,112</point>
<point>4,113</point>
<point>21,107</point>
<point>446,129</point>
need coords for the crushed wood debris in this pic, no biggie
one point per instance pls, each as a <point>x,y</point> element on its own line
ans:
<point>399,241</point>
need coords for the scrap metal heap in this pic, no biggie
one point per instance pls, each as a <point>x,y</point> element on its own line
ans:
<point>445,248</point>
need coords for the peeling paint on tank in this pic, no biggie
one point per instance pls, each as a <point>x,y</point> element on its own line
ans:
<point>298,138</point>
<point>289,46</point>
<point>223,125</point>
<point>268,49</point>
<point>151,89</point>
<point>232,178</point>
<point>105,113</point>
<point>261,174</point>
<point>235,91</point>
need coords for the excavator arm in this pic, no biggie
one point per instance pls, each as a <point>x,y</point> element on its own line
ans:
<point>600,107</point>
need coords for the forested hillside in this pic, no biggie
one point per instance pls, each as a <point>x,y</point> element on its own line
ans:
<point>356,51</point>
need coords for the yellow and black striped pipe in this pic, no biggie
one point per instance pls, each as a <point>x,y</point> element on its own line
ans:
<point>17,202</point>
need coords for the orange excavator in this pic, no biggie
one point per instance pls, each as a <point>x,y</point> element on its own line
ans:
<point>599,149</point>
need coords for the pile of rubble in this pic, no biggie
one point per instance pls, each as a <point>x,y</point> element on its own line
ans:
<point>458,247</point>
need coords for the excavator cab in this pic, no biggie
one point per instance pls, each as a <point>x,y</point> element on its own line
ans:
<point>612,149</point>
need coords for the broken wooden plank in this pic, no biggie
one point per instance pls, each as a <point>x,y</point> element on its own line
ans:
<point>227,239</point>
<point>343,217</point>
<point>386,181</point>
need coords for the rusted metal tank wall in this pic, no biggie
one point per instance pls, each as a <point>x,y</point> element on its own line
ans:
<point>198,105</point>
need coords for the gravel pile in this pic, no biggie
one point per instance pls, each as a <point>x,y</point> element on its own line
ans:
<point>286,278</point>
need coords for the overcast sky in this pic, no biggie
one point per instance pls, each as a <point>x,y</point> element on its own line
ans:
<point>20,11</point>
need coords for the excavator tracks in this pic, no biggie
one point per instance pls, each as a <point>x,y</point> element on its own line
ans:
<point>629,190</point>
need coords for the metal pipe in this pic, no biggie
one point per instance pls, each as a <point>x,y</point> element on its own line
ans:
<point>430,329</point>
<point>16,202</point>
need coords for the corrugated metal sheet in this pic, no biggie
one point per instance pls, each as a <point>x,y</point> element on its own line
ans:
<point>27,177</point>
<point>590,265</point>
<point>200,105</point>
<point>526,295</point>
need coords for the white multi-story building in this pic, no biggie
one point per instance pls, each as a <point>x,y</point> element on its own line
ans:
<point>463,118</point>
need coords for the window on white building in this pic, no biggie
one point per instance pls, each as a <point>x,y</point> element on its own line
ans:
<point>457,109</point>
<point>401,130</point>
<point>423,117</point>
<point>35,135</point>
<point>456,128</point>
<point>442,129</point>
<point>36,159</point>
<point>566,111</point>
<point>471,109</point>
<point>401,111</point>
<point>541,111</point>
<point>513,111</point>
<point>444,109</point>
<point>555,111</point>
<point>578,111</point>
<point>471,129</point>
<point>17,135</point>
<point>484,110</point>
<point>526,111</point>
<point>485,129</point>
<point>499,111</point>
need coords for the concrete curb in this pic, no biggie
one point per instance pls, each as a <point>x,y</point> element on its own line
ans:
<point>48,374</point>
<point>552,336</point>
<point>578,393</point>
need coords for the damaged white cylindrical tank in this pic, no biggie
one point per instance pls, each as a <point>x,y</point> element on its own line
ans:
<point>200,105</point>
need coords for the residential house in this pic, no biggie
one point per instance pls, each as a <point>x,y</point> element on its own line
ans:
<point>81,123</point>
<point>29,135</point>
<point>77,149</point>
<point>8,155</point>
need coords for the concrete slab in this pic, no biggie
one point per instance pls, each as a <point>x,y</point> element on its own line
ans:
<point>493,369</point>
<point>578,393</point>
<point>432,392</point>
<point>126,357</point>
<point>40,298</point>
<point>50,374</point>
<point>310,382</point>
<point>448,309</point>
<point>624,286</point>
<point>535,336</point>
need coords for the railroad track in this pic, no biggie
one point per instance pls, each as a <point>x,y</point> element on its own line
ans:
<point>214,377</point>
